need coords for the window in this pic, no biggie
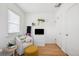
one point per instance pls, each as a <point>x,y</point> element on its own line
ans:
<point>13,22</point>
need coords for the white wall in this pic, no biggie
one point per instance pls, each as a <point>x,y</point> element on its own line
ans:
<point>3,24</point>
<point>68,23</point>
<point>4,36</point>
<point>49,25</point>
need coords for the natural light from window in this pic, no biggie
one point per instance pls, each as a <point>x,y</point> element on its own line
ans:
<point>13,22</point>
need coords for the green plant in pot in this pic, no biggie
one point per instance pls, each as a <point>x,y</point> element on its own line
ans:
<point>40,20</point>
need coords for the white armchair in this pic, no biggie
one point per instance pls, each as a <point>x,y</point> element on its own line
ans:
<point>23,43</point>
<point>19,46</point>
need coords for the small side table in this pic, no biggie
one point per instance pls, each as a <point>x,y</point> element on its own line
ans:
<point>1,52</point>
<point>10,51</point>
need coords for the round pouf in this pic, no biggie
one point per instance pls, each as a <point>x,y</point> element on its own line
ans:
<point>31,51</point>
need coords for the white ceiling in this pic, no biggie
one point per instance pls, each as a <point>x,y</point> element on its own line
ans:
<point>38,7</point>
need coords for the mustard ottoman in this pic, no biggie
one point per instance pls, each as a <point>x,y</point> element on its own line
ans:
<point>31,51</point>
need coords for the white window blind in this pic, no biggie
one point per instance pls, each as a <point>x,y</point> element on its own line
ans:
<point>13,22</point>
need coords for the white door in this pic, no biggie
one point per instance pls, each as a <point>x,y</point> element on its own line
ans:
<point>62,32</point>
<point>64,35</point>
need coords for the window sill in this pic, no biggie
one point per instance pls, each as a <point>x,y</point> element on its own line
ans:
<point>13,34</point>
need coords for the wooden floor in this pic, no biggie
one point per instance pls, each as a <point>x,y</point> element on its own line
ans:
<point>51,50</point>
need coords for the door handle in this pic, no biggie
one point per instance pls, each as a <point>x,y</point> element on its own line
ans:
<point>67,34</point>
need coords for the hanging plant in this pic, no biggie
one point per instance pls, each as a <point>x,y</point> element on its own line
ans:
<point>41,20</point>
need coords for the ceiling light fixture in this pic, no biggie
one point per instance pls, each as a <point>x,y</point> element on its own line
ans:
<point>58,4</point>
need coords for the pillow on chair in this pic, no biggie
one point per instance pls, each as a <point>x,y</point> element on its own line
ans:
<point>28,41</point>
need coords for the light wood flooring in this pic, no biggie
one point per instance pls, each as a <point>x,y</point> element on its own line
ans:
<point>51,50</point>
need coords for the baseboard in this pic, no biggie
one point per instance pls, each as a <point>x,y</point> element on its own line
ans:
<point>50,43</point>
<point>66,54</point>
<point>62,50</point>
